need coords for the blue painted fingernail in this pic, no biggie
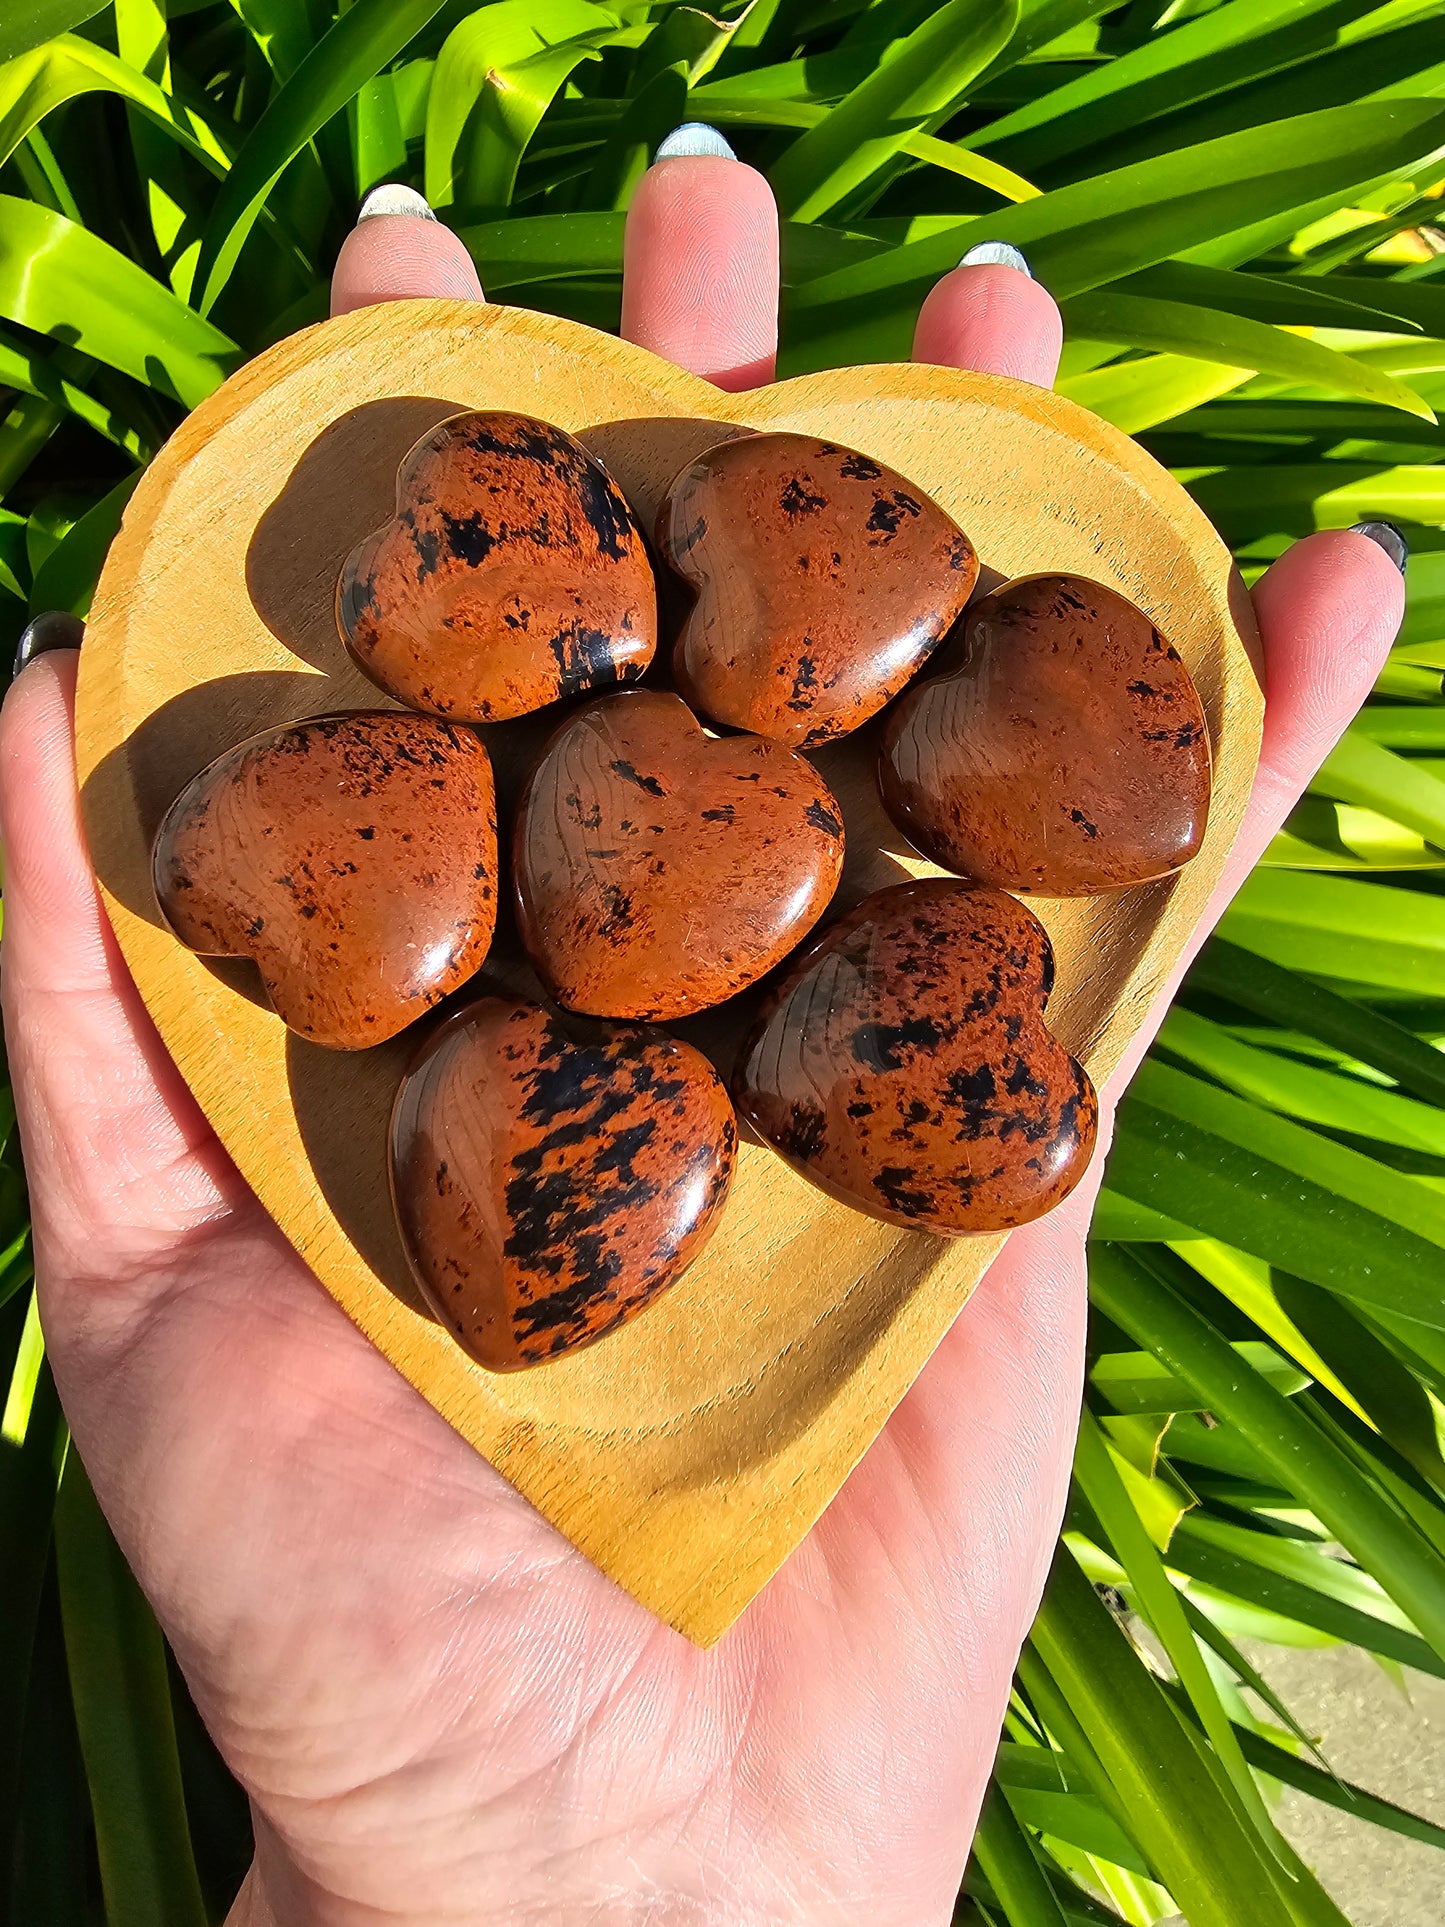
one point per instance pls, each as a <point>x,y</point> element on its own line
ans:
<point>392,197</point>
<point>1389,539</point>
<point>996,254</point>
<point>56,629</point>
<point>694,137</point>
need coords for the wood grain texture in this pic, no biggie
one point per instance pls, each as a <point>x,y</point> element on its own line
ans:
<point>689,1452</point>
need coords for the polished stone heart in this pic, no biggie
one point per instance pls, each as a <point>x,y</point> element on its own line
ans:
<point>352,858</point>
<point>659,870</point>
<point>823,580</point>
<point>554,1175</point>
<point>1068,754</point>
<point>904,1065</point>
<point>513,573</point>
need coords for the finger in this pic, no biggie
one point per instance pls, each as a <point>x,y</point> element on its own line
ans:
<point>989,314</point>
<point>700,262</point>
<point>108,1124</point>
<point>399,248</point>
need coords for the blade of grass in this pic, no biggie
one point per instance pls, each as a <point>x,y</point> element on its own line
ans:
<point>924,75</point>
<point>58,279</point>
<point>28,22</point>
<point>123,1712</point>
<point>363,40</point>
<point>1294,1002</point>
<point>1153,1771</point>
<point>1011,1867</point>
<point>1099,1478</point>
<point>1208,334</point>
<point>1140,1297</point>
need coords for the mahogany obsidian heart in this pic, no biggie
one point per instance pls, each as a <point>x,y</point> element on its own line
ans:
<point>553,1175</point>
<point>659,870</point>
<point>353,858</point>
<point>1068,754</point>
<point>904,1066</point>
<point>513,573</point>
<point>823,580</point>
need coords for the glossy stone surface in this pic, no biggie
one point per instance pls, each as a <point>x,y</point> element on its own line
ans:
<point>1069,754</point>
<point>553,1175</point>
<point>659,870</point>
<point>353,858</point>
<point>823,580</point>
<point>904,1065</point>
<point>512,574</point>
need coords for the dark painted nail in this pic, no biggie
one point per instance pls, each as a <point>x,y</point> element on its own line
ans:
<point>1390,540</point>
<point>56,629</point>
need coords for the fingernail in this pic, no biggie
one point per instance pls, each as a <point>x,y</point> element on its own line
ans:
<point>394,198</point>
<point>1390,540</point>
<point>56,629</point>
<point>694,137</point>
<point>996,254</point>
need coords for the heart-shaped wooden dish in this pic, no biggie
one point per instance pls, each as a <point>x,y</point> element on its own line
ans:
<point>689,1452</point>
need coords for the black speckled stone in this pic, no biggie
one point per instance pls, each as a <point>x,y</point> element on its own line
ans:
<point>904,1066</point>
<point>554,1175</point>
<point>512,574</point>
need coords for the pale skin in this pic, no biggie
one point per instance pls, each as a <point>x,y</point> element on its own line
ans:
<point>441,1712</point>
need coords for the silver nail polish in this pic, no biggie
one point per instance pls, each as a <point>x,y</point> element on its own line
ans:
<point>1389,539</point>
<point>56,629</point>
<point>392,197</point>
<point>996,254</point>
<point>694,137</point>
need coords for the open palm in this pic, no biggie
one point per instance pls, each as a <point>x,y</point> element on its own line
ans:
<point>442,1712</point>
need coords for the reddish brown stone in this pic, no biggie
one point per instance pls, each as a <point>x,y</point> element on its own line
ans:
<point>823,580</point>
<point>1069,754</point>
<point>659,870</point>
<point>512,574</point>
<point>353,858</point>
<point>904,1066</point>
<point>554,1175</point>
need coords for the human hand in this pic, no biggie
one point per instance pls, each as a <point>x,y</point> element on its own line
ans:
<point>442,1713</point>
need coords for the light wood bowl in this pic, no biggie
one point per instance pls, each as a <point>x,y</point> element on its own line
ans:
<point>688,1453</point>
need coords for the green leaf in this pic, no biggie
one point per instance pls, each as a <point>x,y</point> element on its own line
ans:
<point>1098,1477</point>
<point>1360,770</point>
<point>61,280</point>
<point>1343,1795</point>
<point>28,22</point>
<point>1361,932</point>
<point>1352,1507</point>
<point>358,46</point>
<point>1145,1765</point>
<point>123,1711</point>
<point>1294,1002</point>
<point>39,82</point>
<point>731,110</point>
<point>1094,231</point>
<point>1227,46</point>
<point>1135,395</point>
<point>32,1450</point>
<point>1223,1581</point>
<point>495,77</point>
<point>1242,1195</point>
<point>1323,1097</point>
<point>1140,1382</point>
<point>67,577</point>
<point>1012,1868</point>
<point>1208,334</point>
<point>924,76</point>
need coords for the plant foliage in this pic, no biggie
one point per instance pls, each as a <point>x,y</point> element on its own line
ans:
<point>1236,202</point>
